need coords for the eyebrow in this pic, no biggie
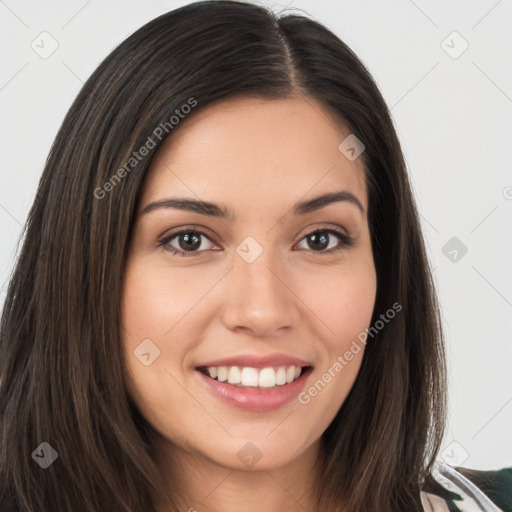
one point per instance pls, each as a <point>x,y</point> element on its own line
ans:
<point>223,212</point>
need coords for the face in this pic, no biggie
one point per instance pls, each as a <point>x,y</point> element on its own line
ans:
<point>256,290</point>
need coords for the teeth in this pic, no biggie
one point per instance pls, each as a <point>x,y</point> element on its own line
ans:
<point>249,377</point>
<point>281,376</point>
<point>222,373</point>
<point>252,377</point>
<point>234,375</point>
<point>267,378</point>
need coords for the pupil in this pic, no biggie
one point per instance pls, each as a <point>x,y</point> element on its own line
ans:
<point>191,245</point>
<point>320,237</point>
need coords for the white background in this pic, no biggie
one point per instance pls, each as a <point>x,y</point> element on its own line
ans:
<point>454,119</point>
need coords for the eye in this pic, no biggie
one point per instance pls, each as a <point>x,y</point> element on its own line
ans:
<point>322,237</point>
<point>189,241</point>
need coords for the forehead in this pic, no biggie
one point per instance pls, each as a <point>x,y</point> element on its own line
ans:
<point>256,151</point>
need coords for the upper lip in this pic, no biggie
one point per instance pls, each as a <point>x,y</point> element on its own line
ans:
<point>257,361</point>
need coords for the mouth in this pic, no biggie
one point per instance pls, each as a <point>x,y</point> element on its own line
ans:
<point>254,390</point>
<point>269,377</point>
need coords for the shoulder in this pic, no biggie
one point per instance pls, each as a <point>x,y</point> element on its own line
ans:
<point>464,489</point>
<point>497,485</point>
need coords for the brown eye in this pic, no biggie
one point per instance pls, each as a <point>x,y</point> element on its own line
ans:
<point>321,240</point>
<point>188,242</point>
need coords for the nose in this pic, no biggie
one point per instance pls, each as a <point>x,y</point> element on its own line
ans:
<point>259,297</point>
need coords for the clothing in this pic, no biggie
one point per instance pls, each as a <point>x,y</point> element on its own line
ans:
<point>469,490</point>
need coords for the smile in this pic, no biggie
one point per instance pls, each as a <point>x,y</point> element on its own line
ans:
<point>255,382</point>
<point>268,377</point>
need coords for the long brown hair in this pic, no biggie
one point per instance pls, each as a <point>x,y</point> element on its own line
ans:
<point>60,361</point>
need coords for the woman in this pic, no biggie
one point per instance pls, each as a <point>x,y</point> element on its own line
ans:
<point>223,275</point>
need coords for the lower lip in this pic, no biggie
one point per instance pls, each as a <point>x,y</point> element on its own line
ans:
<point>256,399</point>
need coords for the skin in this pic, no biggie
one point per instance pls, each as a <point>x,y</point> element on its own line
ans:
<point>259,158</point>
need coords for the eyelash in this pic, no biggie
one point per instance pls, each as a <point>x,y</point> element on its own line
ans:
<point>346,241</point>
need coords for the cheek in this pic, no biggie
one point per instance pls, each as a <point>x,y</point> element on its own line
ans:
<point>347,307</point>
<point>154,308</point>
<point>151,307</point>
<point>158,301</point>
<point>344,303</point>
